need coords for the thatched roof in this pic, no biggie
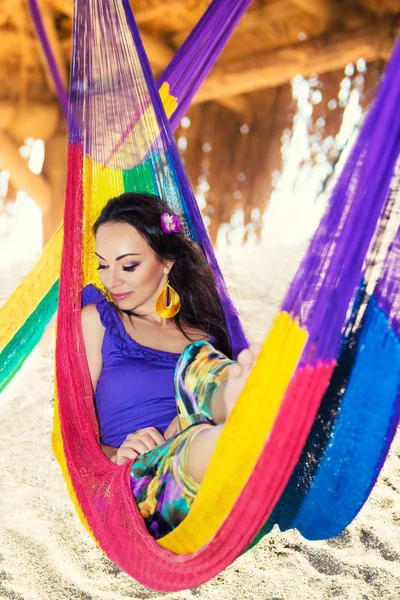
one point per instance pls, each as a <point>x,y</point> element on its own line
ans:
<point>275,40</point>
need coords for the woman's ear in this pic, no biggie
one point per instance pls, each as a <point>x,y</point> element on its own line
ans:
<point>168,264</point>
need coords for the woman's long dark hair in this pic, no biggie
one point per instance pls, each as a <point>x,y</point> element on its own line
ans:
<point>190,276</point>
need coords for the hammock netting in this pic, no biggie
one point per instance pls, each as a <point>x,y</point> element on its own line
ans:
<point>321,406</point>
<point>34,303</point>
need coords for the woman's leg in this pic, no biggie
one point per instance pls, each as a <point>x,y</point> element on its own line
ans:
<point>199,375</point>
<point>161,483</point>
<point>219,407</point>
<point>160,480</point>
<point>165,480</point>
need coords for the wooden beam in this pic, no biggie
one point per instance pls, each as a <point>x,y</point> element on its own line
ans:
<point>36,92</point>
<point>52,35</point>
<point>13,45</point>
<point>323,9</point>
<point>276,12</point>
<point>158,52</point>
<point>34,185</point>
<point>380,7</point>
<point>33,119</point>
<point>238,104</point>
<point>155,10</point>
<point>277,68</point>
<point>7,113</point>
<point>66,7</point>
<point>54,172</point>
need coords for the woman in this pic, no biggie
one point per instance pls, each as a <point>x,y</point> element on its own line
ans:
<point>166,320</point>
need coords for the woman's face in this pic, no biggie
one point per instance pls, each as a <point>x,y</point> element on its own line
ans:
<point>129,269</point>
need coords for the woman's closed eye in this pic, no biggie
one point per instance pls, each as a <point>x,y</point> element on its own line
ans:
<point>128,268</point>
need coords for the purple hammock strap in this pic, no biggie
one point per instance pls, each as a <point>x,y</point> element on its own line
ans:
<point>51,61</point>
<point>199,52</point>
<point>327,280</point>
<point>237,336</point>
<point>189,67</point>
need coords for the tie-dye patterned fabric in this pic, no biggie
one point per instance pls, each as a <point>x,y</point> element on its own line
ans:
<point>163,488</point>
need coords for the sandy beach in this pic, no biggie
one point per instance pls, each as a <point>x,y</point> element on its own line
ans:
<point>45,554</point>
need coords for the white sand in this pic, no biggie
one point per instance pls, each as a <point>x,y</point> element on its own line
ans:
<point>46,554</point>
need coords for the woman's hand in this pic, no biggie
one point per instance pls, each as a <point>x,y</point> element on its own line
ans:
<point>138,443</point>
<point>171,429</point>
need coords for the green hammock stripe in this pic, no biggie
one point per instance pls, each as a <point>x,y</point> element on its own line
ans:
<point>13,356</point>
<point>18,349</point>
<point>140,179</point>
<point>184,208</point>
<point>143,179</point>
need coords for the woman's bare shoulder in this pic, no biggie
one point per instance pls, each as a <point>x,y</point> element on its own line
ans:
<point>90,319</point>
<point>93,334</point>
<point>90,312</point>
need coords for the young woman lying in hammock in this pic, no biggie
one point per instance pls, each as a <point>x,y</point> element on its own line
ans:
<point>162,389</point>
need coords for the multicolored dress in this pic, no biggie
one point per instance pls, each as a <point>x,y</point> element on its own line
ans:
<point>141,387</point>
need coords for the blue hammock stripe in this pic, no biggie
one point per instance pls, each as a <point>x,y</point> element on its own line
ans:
<point>19,348</point>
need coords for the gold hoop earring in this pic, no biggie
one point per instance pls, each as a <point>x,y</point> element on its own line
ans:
<point>166,308</point>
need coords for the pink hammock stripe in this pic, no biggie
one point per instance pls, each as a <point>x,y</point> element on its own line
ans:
<point>103,489</point>
<point>122,535</point>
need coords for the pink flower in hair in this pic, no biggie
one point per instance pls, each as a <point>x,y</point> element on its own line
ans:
<point>170,223</point>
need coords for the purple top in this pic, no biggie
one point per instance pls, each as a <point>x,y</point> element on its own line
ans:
<point>136,385</point>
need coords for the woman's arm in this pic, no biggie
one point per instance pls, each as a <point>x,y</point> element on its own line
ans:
<point>172,428</point>
<point>93,334</point>
<point>110,452</point>
<point>135,444</point>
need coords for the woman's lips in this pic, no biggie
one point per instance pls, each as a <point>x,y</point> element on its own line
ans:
<point>121,296</point>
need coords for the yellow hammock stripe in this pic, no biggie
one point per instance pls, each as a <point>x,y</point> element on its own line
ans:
<point>240,443</point>
<point>170,103</point>
<point>32,289</point>
<point>46,271</point>
<point>99,185</point>
<point>245,433</point>
<point>242,439</point>
<point>58,449</point>
<point>140,139</point>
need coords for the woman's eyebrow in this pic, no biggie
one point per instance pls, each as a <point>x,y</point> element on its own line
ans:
<point>119,257</point>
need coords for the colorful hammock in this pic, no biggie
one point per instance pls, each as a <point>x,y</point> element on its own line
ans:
<point>334,346</point>
<point>27,312</point>
<point>322,403</point>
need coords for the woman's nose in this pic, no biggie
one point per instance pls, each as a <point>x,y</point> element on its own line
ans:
<point>114,278</point>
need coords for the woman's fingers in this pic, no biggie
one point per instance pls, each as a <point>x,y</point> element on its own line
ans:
<point>155,435</point>
<point>124,454</point>
<point>148,441</point>
<point>144,440</point>
<point>140,447</point>
<point>141,444</point>
<point>147,435</point>
<point>138,443</point>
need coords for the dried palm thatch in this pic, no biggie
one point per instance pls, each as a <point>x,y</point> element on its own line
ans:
<point>275,40</point>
